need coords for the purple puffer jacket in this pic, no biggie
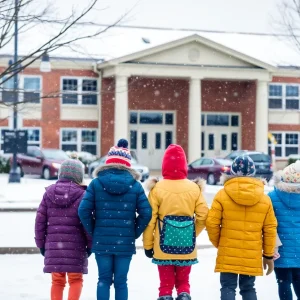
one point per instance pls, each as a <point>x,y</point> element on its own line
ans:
<point>58,229</point>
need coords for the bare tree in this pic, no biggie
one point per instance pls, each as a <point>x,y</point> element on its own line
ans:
<point>29,14</point>
<point>289,11</point>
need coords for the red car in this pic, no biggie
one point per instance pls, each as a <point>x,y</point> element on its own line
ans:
<point>43,162</point>
<point>210,169</point>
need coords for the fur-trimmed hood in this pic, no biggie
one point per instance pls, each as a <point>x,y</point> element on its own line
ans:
<point>288,193</point>
<point>151,182</point>
<point>135,174</point>
<point>285,187</point>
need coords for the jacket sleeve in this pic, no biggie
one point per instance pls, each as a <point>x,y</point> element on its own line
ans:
<point>214,220</point>
<point>86,209</point>
<point>269,232</point>
<point>201,212</point>
<point>148,236</point>
<point>144,212</point>
<point>41,222</point>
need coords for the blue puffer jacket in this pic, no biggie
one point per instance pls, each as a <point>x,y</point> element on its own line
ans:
<point>286,203</point>
<point>108,210</point>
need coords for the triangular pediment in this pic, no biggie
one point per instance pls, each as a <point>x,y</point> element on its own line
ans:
<point>194,53</point>
<point>192,50</point>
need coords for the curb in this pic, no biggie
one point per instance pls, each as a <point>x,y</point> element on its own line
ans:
<point>18,209</point>
<point>34,250</point>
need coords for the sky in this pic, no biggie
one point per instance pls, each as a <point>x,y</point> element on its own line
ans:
<point>232,15</point>
<point>255,16</point>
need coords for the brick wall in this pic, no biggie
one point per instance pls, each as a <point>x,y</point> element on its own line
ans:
<point>51,123</point>
<point>286,79</point>
<point>219,96</point>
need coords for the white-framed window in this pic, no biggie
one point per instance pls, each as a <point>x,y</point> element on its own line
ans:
<point>220,119</point>
<point>34,137</point>
<point>29,89</point>
<point>79,91</point>
<point>287,143</point>
<point>79,139</point>
<point>284,96</point>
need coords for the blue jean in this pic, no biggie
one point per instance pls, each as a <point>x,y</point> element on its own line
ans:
<point>285,278</point>
<point>229,285</point>
<point>112,269</point>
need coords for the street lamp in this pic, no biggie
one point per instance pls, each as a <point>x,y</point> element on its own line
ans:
<point>14,174</point>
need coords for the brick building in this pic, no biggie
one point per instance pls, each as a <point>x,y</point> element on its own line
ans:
<point>207,97</point>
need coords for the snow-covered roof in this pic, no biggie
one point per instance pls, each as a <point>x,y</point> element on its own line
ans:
<point>118,42</point>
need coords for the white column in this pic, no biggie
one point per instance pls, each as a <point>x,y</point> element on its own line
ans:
<point>121,108</point>
<point>261,117</point>
<point>194,118</point>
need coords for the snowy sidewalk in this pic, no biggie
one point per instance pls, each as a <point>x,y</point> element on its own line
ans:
<point>28,194</point>
<point>24,195</point>
<point>24,279</point>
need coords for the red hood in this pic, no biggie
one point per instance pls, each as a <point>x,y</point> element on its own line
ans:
<point>174,165</point>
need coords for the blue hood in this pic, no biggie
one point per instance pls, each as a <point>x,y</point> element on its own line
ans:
<point>291,200</point>
<point>117,179</point>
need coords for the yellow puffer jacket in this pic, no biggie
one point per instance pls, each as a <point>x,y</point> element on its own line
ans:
<point>178,198</point>
<point>242,225</point>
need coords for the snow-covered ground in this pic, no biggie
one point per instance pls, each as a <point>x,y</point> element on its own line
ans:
<point>26,194</point>
<point>29,192</point>
<point>22,278</point>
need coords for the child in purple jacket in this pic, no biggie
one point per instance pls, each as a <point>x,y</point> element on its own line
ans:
<point>59,233</point>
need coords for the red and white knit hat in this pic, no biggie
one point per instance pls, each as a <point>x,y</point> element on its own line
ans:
<point>119,154</point>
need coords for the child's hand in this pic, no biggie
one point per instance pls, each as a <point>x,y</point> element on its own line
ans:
<point>268,265</point>
<point>149,253</point>
<point>42,250</point>
<point>276,256</point>
<point>88,252</point>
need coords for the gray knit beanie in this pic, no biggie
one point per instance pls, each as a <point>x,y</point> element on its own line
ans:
<point>72,169</point>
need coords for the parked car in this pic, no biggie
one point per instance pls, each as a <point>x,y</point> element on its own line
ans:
<point>210,169</point>
<point>262,161</point>
<point>134,164</point>
<point>43,162</point>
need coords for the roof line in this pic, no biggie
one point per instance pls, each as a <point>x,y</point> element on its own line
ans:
<point>60,58</point>
<point>191,65</point>
<point>179,29</point>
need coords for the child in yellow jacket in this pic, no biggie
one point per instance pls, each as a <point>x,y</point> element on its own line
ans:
<point>242,225</point>
<point>179,212</point>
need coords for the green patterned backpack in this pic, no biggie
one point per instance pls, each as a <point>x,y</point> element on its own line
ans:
<point>177,234</point>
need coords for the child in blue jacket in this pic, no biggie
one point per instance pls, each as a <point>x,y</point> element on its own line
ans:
<point>286,203</point>
<point>108,213</point>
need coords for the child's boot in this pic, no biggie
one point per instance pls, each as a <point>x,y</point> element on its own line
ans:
<point>184,296</point>
<point>165,298</point>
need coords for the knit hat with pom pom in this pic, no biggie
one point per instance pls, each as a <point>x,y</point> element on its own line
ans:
<point>119,154</point>
<point>291,174</point>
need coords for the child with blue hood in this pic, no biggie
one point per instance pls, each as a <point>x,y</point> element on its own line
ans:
<point>286,203</point>
<point>115,211</point>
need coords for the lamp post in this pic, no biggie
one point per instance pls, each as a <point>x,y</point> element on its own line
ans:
<point>14,174</point>
<point>45,66</point>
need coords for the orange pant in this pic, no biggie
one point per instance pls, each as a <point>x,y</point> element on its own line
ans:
<point>58,284</point>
